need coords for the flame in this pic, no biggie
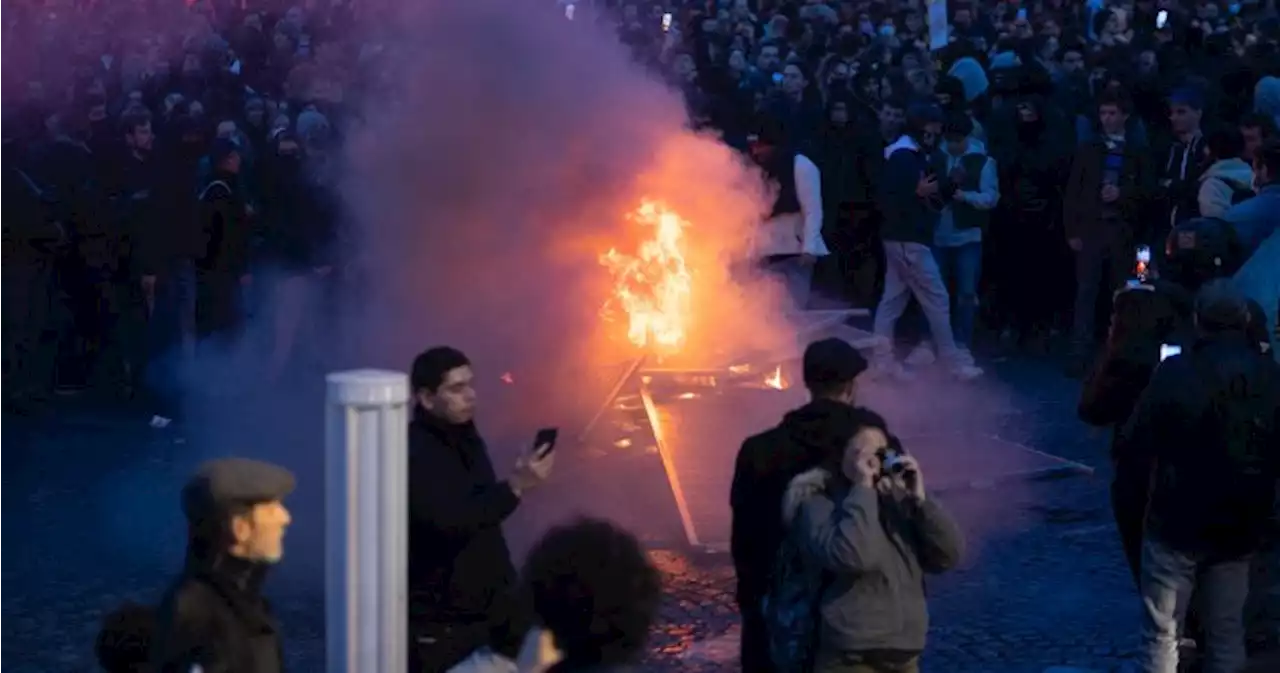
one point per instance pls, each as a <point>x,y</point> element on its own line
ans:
<point>653,286</point>
<point>775,380</point>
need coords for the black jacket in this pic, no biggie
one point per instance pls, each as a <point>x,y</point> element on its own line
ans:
<point>460,569</point>
<point>1210,422</point>
<point>214,616</point>
<point>766,464</point>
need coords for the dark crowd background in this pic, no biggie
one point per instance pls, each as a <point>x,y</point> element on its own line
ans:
<point>171,168</point>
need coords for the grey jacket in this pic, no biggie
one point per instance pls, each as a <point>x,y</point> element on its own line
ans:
<point>876,551</point>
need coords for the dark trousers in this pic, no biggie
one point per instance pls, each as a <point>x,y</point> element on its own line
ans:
<point>30,340</point>
<point>435,648</point>
<point>1030,270</point>
<point>1129,494</point>
<point>1101,269</point>
<point>754,652</point>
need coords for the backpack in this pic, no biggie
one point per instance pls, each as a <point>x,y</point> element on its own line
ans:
<point>791,610</point>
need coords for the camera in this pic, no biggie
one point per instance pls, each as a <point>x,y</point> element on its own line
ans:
<point>891,462</point>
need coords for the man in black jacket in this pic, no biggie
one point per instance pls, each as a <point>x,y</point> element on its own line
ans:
<point>766,464</point>
<point>461,580</point>
<point>214,618</point>
<point>1210,423</point>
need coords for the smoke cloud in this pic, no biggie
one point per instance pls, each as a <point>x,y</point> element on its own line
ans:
<point>499,162</point>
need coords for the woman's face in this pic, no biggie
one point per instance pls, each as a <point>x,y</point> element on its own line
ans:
<point>737,60</point>
<point>863,446</point>
<point>839,114</point>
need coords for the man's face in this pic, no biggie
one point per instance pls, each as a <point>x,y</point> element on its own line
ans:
<point>768,59</point>
<point>1112,118</point>
<point>963,19</point>
<point>839,114</point>
<point>929,134</point>
<point>1147,63</point>
<point>793,80</point>
<point>1252,141</point>
<point>1027,113</point>
<point>956,145</point>
<point>1072,62</point>
<point>914,23</point>
<point>259,533</point>
<point>226,129</point>
<point>1183,118</point>
<point>455,399</point>
<point>140,138</point>
<point>1050,28</point>
<point>231,164</point>
<point>737,60</point>
<point>891,119</point>
<point>1261,176</point>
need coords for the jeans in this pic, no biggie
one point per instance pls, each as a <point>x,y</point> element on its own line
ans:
<point>1168,578</point>
<point>961,267</point>
<point>910,268</point>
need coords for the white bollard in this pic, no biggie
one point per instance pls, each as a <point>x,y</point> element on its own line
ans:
<point>367,522</point>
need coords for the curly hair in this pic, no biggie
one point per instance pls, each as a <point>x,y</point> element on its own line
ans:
<point>594,588</point>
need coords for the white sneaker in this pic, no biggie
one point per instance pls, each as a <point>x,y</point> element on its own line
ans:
<point>963,357</point>
<point>890,371</point>
<point>965,372</point>
<point>922,355</point>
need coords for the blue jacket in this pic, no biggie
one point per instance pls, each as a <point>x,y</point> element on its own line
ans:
<point>907,217</point>
<point>1259,279</point>
<point>1256,219</point>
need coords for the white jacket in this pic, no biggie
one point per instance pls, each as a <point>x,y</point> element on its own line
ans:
<point>797,233</point>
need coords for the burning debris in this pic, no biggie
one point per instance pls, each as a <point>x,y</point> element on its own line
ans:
<point>653,287</point>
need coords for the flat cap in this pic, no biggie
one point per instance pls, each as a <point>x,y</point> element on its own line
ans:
<point>229,481</point>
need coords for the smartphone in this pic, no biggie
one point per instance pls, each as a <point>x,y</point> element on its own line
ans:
<point>1169,350</point>
<point>891,462</point>
<point>547,437</point>
<point>777,78</point>
<point>1162,19</point>
<point>1021,15</point>
<point>666,22</point>
<point>1141,261</point>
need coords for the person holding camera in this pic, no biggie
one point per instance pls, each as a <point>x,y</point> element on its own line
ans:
<point>867,527</point>
<point>1209,423</point>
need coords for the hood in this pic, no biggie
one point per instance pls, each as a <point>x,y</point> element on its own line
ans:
<point>820,429</point>
<point>904,142</point>
<point>971,76</point>
<point>1230,170</point>
<point>804,486</point>
<point>1266,97</point>
<point>975,147</point>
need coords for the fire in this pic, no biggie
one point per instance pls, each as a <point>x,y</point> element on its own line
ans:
<point>653,286</point>
<point>775,380</point>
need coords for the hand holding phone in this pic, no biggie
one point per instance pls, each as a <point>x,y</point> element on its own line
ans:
<point>545,442</point>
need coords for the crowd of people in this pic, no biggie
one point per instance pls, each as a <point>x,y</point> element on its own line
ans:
<point>174,167</point>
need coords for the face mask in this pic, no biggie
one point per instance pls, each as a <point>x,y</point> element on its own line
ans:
<point>886,31</point>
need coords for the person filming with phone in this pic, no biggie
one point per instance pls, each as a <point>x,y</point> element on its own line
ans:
<point>867,525</point>
<point>462,596</point>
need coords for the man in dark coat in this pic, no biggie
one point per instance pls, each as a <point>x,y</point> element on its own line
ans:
<point>462,594</point>
<point>766,464</point>
<point>214,618</point>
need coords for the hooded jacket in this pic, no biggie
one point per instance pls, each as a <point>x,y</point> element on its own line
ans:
<point>1220,183</point>
<point>875,549</point>
<point>907,217</point>
<point>765,464</point>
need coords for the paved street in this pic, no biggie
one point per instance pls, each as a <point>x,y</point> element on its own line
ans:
<point>90,519</point>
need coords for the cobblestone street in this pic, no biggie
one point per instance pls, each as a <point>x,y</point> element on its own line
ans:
<point>91,521</point>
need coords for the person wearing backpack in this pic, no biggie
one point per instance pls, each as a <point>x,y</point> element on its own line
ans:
<point>1209,422</point>
<point>766,463</point>
<point>865,526</point>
